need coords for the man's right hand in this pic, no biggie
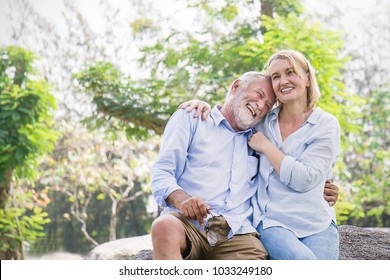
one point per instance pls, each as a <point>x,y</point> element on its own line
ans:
<point>194,208</point>
<point>191,207</point>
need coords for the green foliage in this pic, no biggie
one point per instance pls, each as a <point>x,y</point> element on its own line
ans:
<point>142,25</point>
<point>228,11</point>
<point>26,133</point>
<point>203,69</point>
<point>369,171</point>
<point>19,225</point>
<point>286,7</point>
<point>25,114</point>
<point>116,95</point>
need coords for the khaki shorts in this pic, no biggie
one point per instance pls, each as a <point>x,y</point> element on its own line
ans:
<point>239,247</point>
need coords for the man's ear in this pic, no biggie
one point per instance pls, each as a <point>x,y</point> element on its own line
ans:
<point>235,86</point>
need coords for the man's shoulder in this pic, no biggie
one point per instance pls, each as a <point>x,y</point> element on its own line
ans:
<point>182,115</point>
<point>181,119</point>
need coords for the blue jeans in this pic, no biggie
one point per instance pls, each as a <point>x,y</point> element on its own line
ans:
<point>282,244</point>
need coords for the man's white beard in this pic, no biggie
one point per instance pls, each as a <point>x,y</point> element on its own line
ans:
<point>243,117</point>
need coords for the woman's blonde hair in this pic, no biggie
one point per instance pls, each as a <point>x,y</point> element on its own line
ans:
<point>301,65</point>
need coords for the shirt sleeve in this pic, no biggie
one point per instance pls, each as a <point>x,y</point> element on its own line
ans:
<point>172,156</point>
<point>304,173</point>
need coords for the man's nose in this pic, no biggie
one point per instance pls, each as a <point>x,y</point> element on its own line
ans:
<point>260,104</point>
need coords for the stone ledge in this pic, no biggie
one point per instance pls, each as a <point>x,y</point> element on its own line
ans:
<point>364,244</point>
<point>121,249</point>
<point>356,243</point>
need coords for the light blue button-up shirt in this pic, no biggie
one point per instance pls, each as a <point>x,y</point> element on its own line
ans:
<point>294,199</point>
<point>210,160</point>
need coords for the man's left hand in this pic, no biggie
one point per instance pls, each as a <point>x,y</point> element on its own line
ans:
<point>331,192</point>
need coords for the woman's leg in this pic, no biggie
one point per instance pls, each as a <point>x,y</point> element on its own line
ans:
<point>324,245</point>
<point>282,244</point>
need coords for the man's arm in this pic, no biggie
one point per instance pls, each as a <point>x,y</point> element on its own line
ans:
<point>331,192</point>
<point>170,166</point>
<point>191,207</point>
<point>172,158</point>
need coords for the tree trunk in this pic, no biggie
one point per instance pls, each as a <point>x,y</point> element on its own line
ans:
<point>5,186</point>
<point>266,8</point>
<point>113,221</point>
<point>82,217</point>
<point>86,234</point>
<point>9,255</point>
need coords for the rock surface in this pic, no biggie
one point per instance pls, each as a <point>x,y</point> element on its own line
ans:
<point>363,244</point>
<point>122,249</point>
<point>355,244</point>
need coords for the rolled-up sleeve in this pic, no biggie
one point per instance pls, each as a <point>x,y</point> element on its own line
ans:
<point>286,169</point>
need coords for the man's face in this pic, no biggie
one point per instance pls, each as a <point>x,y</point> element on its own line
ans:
<point>250,105</point>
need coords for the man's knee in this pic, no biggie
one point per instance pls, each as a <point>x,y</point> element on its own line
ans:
<point>169,228</point>
<point>166,224</point>
<point>168,237</point>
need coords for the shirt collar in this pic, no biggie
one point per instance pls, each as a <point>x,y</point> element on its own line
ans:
<point>313,118</point>
<point>216,115</point>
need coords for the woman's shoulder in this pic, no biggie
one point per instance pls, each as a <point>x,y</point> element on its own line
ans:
<point>324,116</point>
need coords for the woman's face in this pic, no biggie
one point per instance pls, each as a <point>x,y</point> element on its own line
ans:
<point>288,85</point>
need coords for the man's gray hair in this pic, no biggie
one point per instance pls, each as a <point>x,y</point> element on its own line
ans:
<point>249,77</point>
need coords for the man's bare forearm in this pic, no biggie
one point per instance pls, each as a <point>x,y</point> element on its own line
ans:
<point>177,197</point>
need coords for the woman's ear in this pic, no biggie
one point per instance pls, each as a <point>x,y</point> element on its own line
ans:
<point>308,79</point>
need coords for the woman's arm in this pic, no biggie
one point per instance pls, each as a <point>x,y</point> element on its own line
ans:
<point>304,172</point>
<point>201,107</point>
<point>261,144</point>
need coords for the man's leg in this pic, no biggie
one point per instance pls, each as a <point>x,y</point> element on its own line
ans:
<point>169,238</point>
<point>240,247</point>
<point>283,244</point>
